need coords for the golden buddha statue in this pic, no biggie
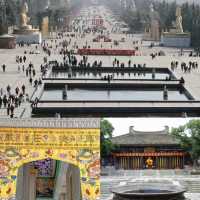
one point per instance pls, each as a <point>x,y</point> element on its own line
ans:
<point>149,163</point>
<point>24,19</point>
<point>25,33</point>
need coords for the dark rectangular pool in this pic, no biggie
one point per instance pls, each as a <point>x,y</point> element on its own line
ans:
<point>115,92</point>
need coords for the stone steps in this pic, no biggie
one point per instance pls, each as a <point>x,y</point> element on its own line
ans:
<point>192,186</point>
<point>105,191</point>
<point>141,173</point>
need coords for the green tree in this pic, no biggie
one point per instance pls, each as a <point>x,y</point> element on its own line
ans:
<point>8,12</point>
<point>189,137</point>
<point>166,12</point>
<point>106,135</point>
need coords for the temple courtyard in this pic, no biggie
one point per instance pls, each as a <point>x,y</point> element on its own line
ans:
<point>112,178</point>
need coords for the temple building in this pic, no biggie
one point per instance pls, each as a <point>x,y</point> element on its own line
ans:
<point>141,150</point>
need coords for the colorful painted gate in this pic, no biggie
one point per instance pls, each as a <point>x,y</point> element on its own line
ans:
<point>75,141</point>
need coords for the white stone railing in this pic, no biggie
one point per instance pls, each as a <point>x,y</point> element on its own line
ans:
<point>52,123</point>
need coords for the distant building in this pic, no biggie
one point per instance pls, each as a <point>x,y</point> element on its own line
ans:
<point>7,41</point>
<point>128,4</point>
<point>135,148</point>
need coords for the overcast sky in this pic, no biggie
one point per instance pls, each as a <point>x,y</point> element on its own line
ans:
<point>122,125</point>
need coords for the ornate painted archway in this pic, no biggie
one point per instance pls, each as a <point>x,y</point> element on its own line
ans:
<point>75,141</point>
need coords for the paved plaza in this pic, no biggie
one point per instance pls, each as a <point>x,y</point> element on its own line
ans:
<point>176,177</point>
<point>14,78</point>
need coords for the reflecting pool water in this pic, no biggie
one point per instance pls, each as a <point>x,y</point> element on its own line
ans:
<point>100,94</point>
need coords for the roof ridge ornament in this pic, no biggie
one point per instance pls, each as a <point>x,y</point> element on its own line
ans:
<point>163,131</point>
<point>131,130</point>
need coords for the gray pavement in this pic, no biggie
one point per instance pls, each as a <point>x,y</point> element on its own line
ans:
<point>176,177</point>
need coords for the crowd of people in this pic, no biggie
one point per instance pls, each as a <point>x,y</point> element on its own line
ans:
<point>185,67</point>
<point>11,98</point>
<point>117,63</point>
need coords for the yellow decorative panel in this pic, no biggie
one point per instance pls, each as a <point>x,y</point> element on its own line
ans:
<point>80,147</point>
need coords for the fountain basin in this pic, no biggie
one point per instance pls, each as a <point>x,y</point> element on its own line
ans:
<point>149,191</point>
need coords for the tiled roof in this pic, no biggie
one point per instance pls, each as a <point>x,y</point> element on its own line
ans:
<point>138,138</point>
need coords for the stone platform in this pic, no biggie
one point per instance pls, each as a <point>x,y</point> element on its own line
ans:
<point>180,40</point>
<point>31,38</point>
<point>7,41</point>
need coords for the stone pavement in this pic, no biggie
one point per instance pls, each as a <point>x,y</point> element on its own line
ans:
<point>15,78</point>
<point>192,183</point>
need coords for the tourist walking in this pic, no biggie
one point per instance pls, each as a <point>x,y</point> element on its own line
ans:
<point>30,80</point>
<point>8,109</point>
<point>1,102</point>
<point>23,89</point>
<point>17,90</point>
<point>24,58</point>
<point>5,101</point>
<point>12,108</point>
<point>4,67</point>
<point>8,89</point>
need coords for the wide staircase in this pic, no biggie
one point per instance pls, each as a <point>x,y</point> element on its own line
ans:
<point>193,186</point>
